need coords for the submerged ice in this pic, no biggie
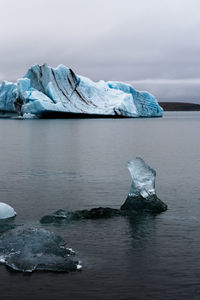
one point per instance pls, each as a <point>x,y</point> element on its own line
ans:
<point>46,92</point>
<point>6,225</point>
<point>30,249</point>
<point>142,195</point>
<point>62,216</point>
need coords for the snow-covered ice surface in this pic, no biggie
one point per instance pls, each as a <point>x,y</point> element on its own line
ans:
<point>6,211</point>
<point>142,195</point>
<point>30,249</point>
<point>50,92</point>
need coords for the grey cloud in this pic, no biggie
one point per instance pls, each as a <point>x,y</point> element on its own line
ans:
<point>187,90</point>
<point>111,40</point>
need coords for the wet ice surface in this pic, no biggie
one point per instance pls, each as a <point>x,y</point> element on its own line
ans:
<point>130,209</point>
<point>61,215</point>
<point>7,224</point>
<point>6,211</point>
<point>142,196</point>
<point>143,178</point>
<point>36,249</point>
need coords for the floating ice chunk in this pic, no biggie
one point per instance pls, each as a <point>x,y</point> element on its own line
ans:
<point>6,211</point>
<point>2,260</point>
<point>6,225</point>
<point>142,195</point>
<point>29,116</point>
<point>79,266</point>
<point>29,249</point>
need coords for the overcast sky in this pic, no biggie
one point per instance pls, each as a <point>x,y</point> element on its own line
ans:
<point>153,43</point>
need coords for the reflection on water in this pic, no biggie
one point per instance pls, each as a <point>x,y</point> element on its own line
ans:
<point>142,228</point>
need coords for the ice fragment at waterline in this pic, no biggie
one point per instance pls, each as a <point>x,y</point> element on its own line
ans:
<point>142,195</point>
<point>6,211</point>
<point>30,249</point>
<point>142,198</point>
<point>62,216</point>
<point>54,92</point>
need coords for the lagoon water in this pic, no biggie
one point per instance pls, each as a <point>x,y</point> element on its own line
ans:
<point>74,164</point>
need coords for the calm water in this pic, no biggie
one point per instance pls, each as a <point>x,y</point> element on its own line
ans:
<point>46,165</point>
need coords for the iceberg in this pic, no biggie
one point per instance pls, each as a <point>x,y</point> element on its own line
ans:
<point>59,92</point>
<point>36,249</point>
<point>6,211</point>
<point>142,195</point>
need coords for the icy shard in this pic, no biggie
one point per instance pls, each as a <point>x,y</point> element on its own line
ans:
<point>6,211</point>
<point>30,249</point>
<point>142,195</point>
<point>143,178</point>
<point>59,92</point>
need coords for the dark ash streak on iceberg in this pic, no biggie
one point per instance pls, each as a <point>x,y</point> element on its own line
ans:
<point>45,91</point>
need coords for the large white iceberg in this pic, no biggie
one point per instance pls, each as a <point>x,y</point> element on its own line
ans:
<point>50,92</point>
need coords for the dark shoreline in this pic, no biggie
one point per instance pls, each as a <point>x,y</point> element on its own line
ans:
<point>179,106</point>
<point>167,106</point>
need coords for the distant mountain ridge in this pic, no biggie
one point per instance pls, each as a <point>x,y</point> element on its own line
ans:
<point>179,106</point>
